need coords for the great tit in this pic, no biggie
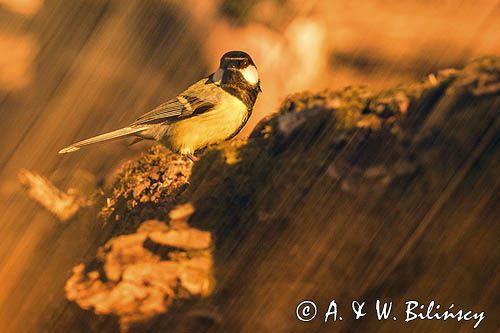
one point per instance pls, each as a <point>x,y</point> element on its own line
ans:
<point>212,110</point>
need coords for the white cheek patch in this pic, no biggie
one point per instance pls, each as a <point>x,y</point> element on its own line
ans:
<point>250,74</point>
<point>218,75</point>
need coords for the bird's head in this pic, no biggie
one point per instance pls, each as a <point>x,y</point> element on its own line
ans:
<point>237,69</point>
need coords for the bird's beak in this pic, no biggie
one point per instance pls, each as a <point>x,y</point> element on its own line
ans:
<point>260,89</point>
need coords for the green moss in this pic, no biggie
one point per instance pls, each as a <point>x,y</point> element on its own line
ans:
<point>230,174</point>
<point>317,125</point>
<point>482,76</point>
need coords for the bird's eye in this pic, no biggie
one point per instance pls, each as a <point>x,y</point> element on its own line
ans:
<point>235,62</point>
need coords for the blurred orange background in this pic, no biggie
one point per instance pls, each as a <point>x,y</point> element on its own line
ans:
<point>73,69</point>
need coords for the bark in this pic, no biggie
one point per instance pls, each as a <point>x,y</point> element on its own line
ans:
<point>340,195</point>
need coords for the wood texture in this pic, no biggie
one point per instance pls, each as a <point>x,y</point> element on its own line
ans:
<point>307,213</point>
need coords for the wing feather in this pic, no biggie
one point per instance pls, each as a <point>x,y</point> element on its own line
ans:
<point>196,99</point>
<point>170,109</point>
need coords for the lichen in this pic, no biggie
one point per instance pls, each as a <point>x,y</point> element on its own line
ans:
<point>158,176</point>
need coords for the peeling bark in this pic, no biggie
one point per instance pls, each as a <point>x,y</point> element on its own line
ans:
<point>140,275</point>
<point>64,205</point>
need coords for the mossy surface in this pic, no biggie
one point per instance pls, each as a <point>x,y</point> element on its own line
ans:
<point>317,125</point>
<point>146,188</point>
<point>344,193</point>
<point>363,139</point>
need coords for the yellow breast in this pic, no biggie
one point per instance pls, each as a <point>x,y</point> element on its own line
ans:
<point>218,124</point>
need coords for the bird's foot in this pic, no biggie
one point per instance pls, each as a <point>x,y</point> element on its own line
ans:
<point>192,158</point>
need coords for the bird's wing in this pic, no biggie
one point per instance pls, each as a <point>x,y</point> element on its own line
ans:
<point>198,98</point>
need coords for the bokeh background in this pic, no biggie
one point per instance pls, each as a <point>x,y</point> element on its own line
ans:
<point>73,69</point>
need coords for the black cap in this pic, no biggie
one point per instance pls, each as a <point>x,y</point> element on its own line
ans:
<point>235,59</point>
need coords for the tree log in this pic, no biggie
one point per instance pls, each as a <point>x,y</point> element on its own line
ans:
<point>345,195</point>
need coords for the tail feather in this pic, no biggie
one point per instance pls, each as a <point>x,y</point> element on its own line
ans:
<point>122,132</point>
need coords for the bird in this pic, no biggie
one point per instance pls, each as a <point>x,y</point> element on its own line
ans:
<point>210,111</point>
